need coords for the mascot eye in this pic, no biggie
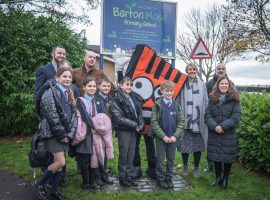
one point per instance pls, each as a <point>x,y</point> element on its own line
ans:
<point>157,93</point>
<point>143,86</point>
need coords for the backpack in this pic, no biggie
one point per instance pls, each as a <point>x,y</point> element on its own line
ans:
<point>82,126</point>
<point>38,156</point>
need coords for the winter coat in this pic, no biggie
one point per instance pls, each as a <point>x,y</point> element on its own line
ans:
<point>53,119</point>
<point>86,146</point>
<point>123,115</point>
<point>222,147</point>
<point>156,117</point>
<point>210,84</point>
<point>102,140</point>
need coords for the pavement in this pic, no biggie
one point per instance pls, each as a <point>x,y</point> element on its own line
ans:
<point>14,188</point>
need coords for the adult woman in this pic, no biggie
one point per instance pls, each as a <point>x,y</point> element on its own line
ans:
<point>193,99</point>
<point>223,113</point>
<point>56,111</point>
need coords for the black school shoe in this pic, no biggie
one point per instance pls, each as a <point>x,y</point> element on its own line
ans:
<point>125,183</point>
<point>58,196</point>
<point>151,172</point>
<point>92,188</point>
<point>106,180</point>
<point>169,183</point>
<point>40,192</point>
<point>162,184</point>
<point>133,182</point>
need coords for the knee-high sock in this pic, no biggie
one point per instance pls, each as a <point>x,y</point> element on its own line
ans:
<point>46,175</point>
<point>56,177</point>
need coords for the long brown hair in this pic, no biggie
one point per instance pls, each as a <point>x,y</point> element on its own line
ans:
<point>232,92</point>
<point>71,98</point>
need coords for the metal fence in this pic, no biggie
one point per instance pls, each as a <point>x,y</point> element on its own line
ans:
<point>253,88</point>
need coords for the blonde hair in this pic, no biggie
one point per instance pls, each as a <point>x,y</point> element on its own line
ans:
<point>191,65</point>
<point>167,85</point>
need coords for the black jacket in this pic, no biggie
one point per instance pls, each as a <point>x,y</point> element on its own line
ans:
<point>222,147</point>
<point>43,74</point>
<point>54,121</point>
<point>123,115</point>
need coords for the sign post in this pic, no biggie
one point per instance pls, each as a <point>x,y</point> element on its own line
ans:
<point>200,51</point>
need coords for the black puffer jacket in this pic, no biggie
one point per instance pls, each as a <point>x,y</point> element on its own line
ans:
<point>54,122</point>
<point>123,115</point>
<point>222,147</point>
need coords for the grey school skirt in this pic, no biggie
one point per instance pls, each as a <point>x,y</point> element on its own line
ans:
<point>52,145</point>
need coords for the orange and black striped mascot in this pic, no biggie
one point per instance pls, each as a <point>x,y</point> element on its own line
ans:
<point>148,71</point>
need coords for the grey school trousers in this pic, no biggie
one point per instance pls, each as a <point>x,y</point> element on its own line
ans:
<point>164,149</point>
<point>126,146</point>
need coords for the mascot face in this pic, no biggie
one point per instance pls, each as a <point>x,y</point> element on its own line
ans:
<point>148,71</point>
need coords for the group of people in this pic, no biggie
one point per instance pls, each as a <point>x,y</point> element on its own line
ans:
<point>202,117</point>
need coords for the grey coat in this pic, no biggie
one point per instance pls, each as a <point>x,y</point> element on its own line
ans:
<point>222,147</point>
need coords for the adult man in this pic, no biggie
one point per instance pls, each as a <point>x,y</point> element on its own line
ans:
<point>88,69</point>
<point>48,71</point>
<point>220,71</point>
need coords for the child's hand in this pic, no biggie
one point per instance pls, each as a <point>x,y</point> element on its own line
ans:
<point>173,139</point>
<point>93,131</point>
<point>166,139</point>
<point>64,140</point>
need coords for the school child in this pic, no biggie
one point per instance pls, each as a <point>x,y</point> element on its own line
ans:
<point>128,122</point>
<point>60,64</point>
<point>85,148</point>
<point>57,110</point>
<point>167,124</point>
<point>104,88</point>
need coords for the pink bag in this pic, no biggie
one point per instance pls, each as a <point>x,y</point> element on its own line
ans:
<point>82,126</point>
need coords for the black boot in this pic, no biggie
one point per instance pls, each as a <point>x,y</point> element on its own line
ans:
<point>224,184</point>
<point>227,171</point>
<point>218,180</point>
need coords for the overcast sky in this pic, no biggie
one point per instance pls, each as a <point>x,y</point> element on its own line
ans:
<point>245,72</point>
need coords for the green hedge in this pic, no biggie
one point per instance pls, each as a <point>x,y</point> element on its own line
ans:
<point>254,131</point>
<point>25,44</point>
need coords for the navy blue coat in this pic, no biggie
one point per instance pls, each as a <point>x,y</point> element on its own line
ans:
<point>222,147</point>
<point>43,74</point>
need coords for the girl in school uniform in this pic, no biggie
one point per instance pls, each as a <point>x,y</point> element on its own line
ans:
<point>57,110</point>
<point>128,122</point>
<point>85,148</point>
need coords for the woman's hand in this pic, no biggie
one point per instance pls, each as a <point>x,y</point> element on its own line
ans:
<point>219,129</point>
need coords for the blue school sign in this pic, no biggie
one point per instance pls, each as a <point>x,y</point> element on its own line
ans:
<point>127,23</point>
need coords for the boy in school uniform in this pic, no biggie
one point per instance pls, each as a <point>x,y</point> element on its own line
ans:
<point>167,123</point>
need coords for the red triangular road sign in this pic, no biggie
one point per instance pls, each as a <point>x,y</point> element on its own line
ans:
<point>200,51</point>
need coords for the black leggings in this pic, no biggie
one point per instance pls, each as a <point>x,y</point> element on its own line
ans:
<point>87,172</point>
<point>197,158</point>
<point>226,171</point>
